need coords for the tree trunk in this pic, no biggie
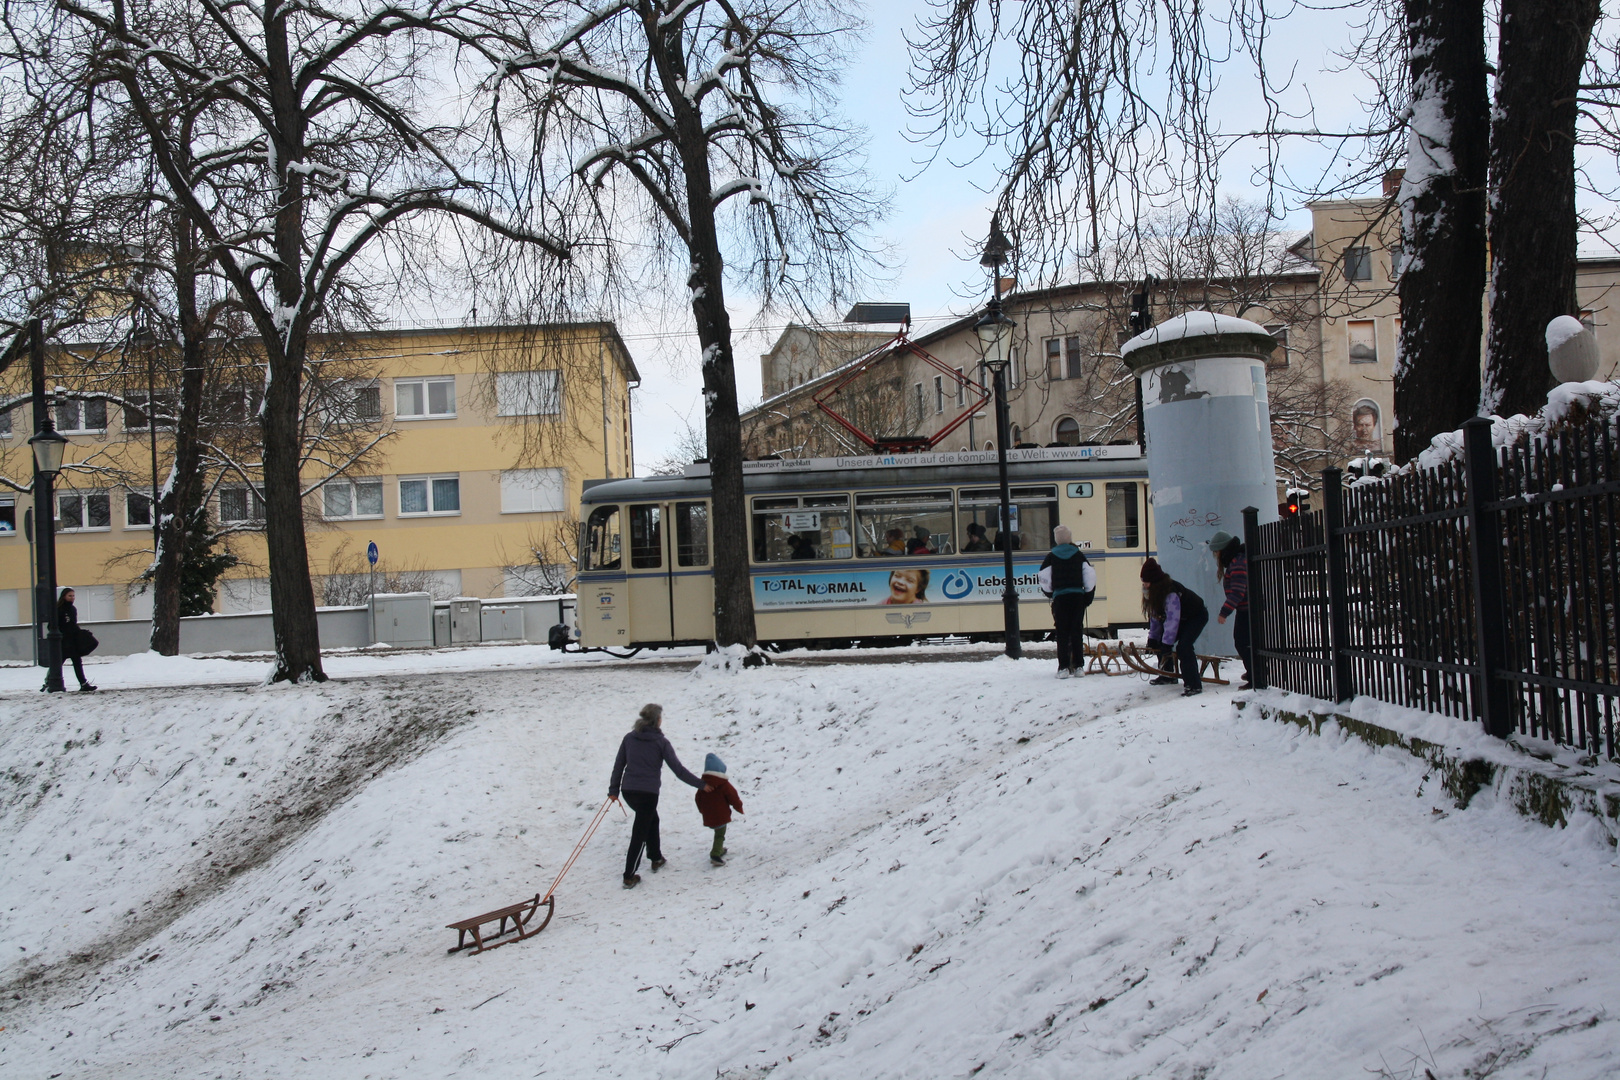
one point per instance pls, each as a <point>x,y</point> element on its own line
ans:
<point>1442,223</point>
<point>171,508</point>
<point>292,595</point>
<point>1532,215</point>
<point>733,588</point>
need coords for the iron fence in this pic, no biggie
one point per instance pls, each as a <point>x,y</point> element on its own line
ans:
<point>1487,588</point>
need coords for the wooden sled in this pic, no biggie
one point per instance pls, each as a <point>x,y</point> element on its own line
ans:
<point>1105,658</point>
<point>519,914</point>
<point>1209,667</point>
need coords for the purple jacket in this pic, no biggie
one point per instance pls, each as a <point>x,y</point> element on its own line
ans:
<point>639,766</point>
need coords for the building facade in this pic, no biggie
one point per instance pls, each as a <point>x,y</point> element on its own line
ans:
<point>460,452</point>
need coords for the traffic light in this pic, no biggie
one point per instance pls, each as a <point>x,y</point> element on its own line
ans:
<point>1141,319</point>
<point>1289,509</point>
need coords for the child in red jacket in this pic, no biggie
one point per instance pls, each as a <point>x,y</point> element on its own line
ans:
<point>716,799</point>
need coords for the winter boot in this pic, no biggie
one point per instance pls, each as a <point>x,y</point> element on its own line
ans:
<point>658,864</point>
<point>1192,691</point>
<point>1163,680</point>
<point>632,880</point>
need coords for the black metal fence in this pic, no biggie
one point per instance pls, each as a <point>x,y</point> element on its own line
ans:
<point>1487,588</point>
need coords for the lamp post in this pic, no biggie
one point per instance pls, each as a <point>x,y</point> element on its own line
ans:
<point>48,446</point>
<point>994,329</point>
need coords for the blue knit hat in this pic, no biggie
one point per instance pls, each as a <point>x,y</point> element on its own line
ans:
<point>712,763</point>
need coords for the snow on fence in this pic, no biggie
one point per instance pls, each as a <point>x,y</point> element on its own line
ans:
<point>1486,586</point>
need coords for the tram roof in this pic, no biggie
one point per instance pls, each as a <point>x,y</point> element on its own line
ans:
<point>953,471</point>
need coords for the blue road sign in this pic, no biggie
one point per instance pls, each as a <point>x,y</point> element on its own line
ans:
<point>371,553</point>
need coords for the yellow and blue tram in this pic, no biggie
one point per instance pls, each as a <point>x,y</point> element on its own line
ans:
<point>872,550</point>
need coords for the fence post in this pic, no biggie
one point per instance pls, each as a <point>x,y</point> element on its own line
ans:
<point>1338,584</point>
<point>1485,551</point>
<point>1251,540</point>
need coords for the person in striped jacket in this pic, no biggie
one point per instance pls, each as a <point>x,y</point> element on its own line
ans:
<point>1232,564</point>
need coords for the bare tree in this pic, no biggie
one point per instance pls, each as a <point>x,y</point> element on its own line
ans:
<point>318,148</point>
<point>702,128</point>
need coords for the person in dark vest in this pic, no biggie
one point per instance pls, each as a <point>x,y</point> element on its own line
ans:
<point>77,642</point>
<point>1232,565</point>
<point>643,753</point>
<point>1068,577</point>
<point>1176,616</point>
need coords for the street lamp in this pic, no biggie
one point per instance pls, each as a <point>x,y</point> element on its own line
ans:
<point>995,329</point>
<point>48,446</point>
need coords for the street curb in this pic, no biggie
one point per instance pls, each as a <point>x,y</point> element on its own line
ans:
<point>1543,791</point>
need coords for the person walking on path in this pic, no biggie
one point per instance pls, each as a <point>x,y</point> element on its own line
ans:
<point>1071,582</point>
<point>1176,616</point>
<point>715,801</point>
<point>1232,565</point>
<point>77,642</point>
<point>637,771</point>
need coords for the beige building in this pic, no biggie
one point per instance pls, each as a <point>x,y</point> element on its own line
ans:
<point>483,438</point>
<point>1329,297</point>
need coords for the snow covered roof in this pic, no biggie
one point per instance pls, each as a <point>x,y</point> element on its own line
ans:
<point>1192,324</point>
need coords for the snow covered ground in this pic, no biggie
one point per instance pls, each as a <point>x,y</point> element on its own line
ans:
<point>947,870</point>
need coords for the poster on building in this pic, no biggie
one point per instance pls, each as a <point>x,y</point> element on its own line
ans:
<point>1367,425</point>
<point>901,585</point>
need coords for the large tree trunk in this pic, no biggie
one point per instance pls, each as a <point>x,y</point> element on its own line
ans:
<point>171,510</point>
<point>733,588</point>
<point>1442,223</point>
<point>292,594</point>
<point>1532,216</point>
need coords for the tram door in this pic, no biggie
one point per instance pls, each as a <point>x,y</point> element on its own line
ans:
<point>670,583</point>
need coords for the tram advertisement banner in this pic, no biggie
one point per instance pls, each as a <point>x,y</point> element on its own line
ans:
<point>899,585</point>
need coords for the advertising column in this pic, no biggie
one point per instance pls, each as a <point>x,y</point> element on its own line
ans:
<point>1208,427</point>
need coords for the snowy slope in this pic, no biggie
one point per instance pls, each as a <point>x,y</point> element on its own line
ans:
<point>946,869</point>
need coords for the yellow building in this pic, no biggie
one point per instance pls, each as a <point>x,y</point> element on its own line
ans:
<point>483,439</point>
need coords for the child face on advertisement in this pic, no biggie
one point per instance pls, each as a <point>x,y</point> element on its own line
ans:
<point>905,585</point>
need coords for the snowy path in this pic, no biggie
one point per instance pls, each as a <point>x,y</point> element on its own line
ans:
<point>946,870</point>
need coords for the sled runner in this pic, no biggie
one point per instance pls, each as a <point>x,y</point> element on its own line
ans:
<point>522,912</point>
<point>1209,667</point>
<point>1105,658</point>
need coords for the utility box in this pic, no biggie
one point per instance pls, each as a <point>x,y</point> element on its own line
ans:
<point>441,625</point>
<point>465,621</point>
<point>402,619</point>
<point>502,622</point>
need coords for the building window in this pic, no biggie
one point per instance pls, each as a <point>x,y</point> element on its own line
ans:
<point>83,511</point>
<point>920,404</point>
<point>421,399</point>
<point>1054,359</point>
<point>528,393</point>
<point>420,495</point>
<point>1363,341</point>
<point>533,491</point>
<point>939,394</point>
<point>135,412</point>
<point>237,404</point>
<point>1063,358</point>
<point>1357,264</point>
<point>5,423</point>
<point>1279,334</point>
<point>137,510</point>
<point>1066,431</point>
<point>961,388</point>
<point>239,504</point>
<point>1017,435</point>
<point>353,401</point>
<point>8,516</point>
<point>78,417</point>
<point>1015,370</point>
<point>344,498</point>
<point>1397,261</point>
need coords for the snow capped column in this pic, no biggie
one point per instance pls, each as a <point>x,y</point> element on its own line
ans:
<point>1208,428</point>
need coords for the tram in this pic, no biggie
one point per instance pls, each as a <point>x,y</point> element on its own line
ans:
<point>869,550</point>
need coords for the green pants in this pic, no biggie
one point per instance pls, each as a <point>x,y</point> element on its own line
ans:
<point>719,848</point>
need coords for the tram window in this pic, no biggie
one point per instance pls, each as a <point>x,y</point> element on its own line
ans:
<point>802,527</point>
<point>692,534</point>
<point>602,538</point>
<point>1124,530</point>
<point>646,537</point>
<point>904,523</point>
<point>1034,516</point>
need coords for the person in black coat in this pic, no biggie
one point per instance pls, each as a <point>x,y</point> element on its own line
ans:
<point>77,642</point>
<point>637,770</point>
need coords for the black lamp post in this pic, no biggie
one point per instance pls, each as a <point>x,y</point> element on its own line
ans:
<point>995,337</point>
<point>48,446</point>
